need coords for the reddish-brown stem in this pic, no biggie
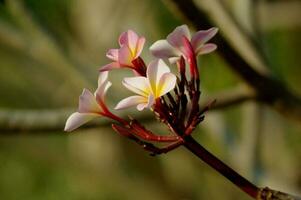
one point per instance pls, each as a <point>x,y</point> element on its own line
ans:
<point>109,114</point>
<point>116,118</point>
<point>194,93</point>
<point>139,66</point>
<point>193,86</point>
<point>221,167</point>
<point>141,132</point>
<point>181,97</point>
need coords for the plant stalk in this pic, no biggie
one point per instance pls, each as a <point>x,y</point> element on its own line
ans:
<point>221,167</point>
<point>238,180</point>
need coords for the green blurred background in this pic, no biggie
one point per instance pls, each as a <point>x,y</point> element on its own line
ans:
<point>51,49</point>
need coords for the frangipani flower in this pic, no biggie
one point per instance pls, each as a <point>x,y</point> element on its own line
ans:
<point>131,46</point>
<point>158,81</point>
<point>174,46</point>
<point>90,106</point>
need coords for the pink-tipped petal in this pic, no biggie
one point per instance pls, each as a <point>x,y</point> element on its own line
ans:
<point>201,37</point>
<point>139,47</point>
<point>77,119</point>
<point>166,84</point>
<point>110,66</point>
<point>162,49</point>
<point>207,48</point>
<point>175,38</point>
<point>138,84</point>
<point>87,103</point>
<point>112,54</point>
<point>129,38</point>
<point>187,49</point>
<point>125,56</point>
<point>154,72</point>
<point>130,101</point>
<point>123,38</point>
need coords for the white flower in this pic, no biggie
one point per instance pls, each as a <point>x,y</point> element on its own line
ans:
<point>158,81</point>
<point>90,106</point>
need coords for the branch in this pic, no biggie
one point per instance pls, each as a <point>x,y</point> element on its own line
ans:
<point>32,120</point>
<point>39,121</point>
<point>36,121</point>
<point>269,90</point>
<point>230,97</point>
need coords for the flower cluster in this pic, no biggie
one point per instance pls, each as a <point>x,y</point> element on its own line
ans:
<point>173,98</point>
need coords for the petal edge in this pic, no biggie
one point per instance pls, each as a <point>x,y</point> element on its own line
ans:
<point>77,119</point>
<point>130,101</point>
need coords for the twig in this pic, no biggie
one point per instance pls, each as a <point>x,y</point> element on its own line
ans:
<point>54,120</point>
<point>230,97</point>
<point>36,121</point>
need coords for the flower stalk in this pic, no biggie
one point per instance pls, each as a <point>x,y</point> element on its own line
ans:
<point>242,183</point>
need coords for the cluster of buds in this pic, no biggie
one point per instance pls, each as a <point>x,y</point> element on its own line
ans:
<point>173,98</point>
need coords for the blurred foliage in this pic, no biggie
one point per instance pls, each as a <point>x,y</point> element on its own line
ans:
<point>51,49</point>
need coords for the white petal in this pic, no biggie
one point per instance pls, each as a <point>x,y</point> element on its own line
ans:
<point>207,48</point>
<point>102,78</point>
<point>175,38</point>
<point>166,84</point>
<point>201,37</point>
<point>162,49</point>
<point>150,101</point>
<point>148,104</point>
<point>154,72</point>
<point>101,91</point>
<point>87,103</point>
<point>130,101</point>
<point>173,60</point>
<point>77,119</point>
<point>141,106</point>
<point>138,84</point>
